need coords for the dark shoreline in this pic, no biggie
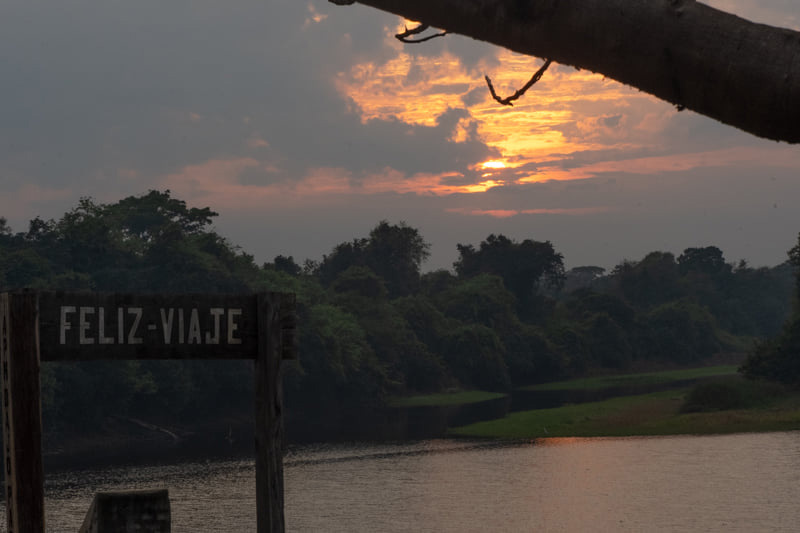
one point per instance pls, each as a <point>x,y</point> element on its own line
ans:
<point>121,442</point>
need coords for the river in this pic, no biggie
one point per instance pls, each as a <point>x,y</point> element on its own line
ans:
<point>743,482</point>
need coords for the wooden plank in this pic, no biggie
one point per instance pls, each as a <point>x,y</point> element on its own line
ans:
<point>129,510</point>
<point>22,418</point>
<point>288,314</point>
<point>269,420</point>
<point>93,326</point>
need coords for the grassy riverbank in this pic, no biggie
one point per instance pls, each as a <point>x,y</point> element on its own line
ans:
<point>647,378</point>
<point>730,405</point>
<point>444,399</point>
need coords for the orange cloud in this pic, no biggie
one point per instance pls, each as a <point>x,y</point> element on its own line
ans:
<point>218,183</point>
<point>417,90</point>
<point>507,213</point>
<point>765,156</point>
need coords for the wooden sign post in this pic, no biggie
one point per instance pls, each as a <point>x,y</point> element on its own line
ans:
<point>89,326</point>
<point>22,419</point>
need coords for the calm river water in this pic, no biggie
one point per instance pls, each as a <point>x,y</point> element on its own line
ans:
<point>745,482</point>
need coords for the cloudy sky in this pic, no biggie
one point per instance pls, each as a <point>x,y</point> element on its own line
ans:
<point>303,124</point>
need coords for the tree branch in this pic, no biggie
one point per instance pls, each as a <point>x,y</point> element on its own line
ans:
<point>509,99</point>
<point>404,37</point>
<point>741,73</point>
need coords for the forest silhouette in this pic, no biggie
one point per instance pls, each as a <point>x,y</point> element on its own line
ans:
<point>373,324</point>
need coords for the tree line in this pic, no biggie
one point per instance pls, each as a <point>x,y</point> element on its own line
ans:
<point>373,324</point>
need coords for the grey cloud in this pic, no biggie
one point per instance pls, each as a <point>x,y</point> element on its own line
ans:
<point>474,96</point>
<point>89,89</point>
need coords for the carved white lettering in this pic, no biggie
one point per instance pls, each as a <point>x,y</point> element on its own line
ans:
<point>65,324</point>
<point>216,312</point>
<point>137,313</point>
<point>194,328</point>
<point>83,338</point>
<point>180,326</point>
<point>166,323</point>
<point>120,325</point>
<point>139,325</point>
<point>101,333</point>
<point>232,326</point>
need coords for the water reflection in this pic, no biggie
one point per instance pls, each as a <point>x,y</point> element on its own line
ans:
<point>712,483</point>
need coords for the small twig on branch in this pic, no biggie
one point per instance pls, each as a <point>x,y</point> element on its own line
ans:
<point>404,37</point>
<point>509,99</point>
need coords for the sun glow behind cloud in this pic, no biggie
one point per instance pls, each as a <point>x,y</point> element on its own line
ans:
<point>507,213</point>
<point>572,125</point>
<point>567,112</point>
<point>493,163</point>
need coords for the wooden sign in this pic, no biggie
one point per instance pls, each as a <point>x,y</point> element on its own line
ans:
<point>84,326</point>
<point>63,326</point>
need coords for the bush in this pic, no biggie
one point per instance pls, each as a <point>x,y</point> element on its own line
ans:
<point>731,393</point>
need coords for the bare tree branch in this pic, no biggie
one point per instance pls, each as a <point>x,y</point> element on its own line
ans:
<point>404,37</point>
<point>685,52</point>
<point>509,99</point>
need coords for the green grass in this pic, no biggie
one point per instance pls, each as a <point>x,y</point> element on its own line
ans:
<point>657,413</point>
<point>648,378</point>
<point>445,398</point>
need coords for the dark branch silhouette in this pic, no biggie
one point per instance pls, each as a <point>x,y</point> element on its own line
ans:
<point>509,99</point>
<point>404,37</point>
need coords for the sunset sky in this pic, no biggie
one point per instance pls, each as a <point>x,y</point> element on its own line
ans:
<point>304,124</point>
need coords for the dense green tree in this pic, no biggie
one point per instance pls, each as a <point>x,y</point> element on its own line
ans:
<point>482,299</point>
<point>395,252</point>
<point>342,257</point>
<point>284,264</point>
<point>428,322</point>
<point>525,268</point>
<point>680,332</point>
<point>759,301</point>
<point>476,356</point>
<point>437,281</point>
<point>778,359</point>
<point>530,356</point>
<point>360,282</point>
<point>585,303</point>
<point>609,345</point>
<point>25,267</point>
<point>708,260</point>
<point>581,277</point>
<point>5,229</point>
<point>338,366</point>
<point>649,282</point>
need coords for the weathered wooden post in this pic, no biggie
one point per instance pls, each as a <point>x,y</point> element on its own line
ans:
<point>276,341</point>
<point>269,427</point>
<point>22,412</point>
